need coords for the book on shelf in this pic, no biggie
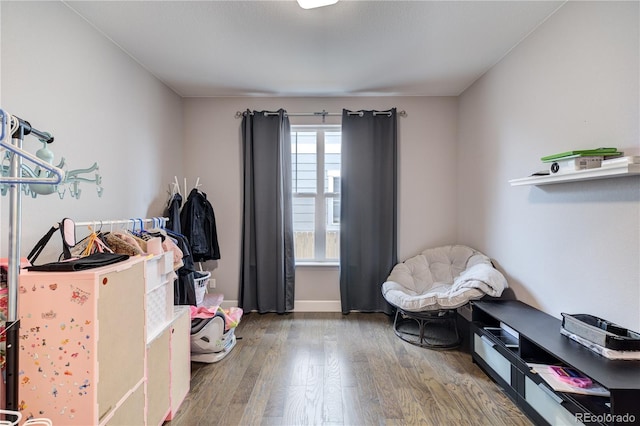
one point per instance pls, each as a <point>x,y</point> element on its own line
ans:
<point>604,152</point>
<point>559,386</point>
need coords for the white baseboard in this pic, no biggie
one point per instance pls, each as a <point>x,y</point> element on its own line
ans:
<point>229,304</point>
<point>317,306</point>
<point>302,305</point>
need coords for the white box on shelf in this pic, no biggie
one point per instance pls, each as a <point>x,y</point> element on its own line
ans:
<point>576,163</point>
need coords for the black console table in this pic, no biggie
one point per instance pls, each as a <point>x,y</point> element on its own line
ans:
<point>538,340</point>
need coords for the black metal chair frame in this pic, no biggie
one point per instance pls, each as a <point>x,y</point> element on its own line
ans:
<point>428,329</point>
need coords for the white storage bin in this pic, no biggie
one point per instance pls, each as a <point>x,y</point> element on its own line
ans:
<point>159,293</point>
<point>159,309</point>
<point>157,270</point>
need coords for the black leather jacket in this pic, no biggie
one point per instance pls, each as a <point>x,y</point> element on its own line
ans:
<point>198,224</point>
<point>173,212</point>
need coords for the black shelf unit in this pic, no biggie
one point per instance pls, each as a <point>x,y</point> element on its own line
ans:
<point>539,341</point>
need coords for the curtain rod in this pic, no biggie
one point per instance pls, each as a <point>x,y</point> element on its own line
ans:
<point>324,113</point>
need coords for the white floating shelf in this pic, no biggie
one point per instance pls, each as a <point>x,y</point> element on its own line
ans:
<point>589,174</point>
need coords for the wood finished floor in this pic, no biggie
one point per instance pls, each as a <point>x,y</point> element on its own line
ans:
<point>334,369</point>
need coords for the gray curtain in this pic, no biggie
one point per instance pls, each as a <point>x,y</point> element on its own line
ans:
<point>268,264</point>
<point>368,219</point>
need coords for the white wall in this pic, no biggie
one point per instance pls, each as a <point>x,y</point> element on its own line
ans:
<point>60,74</point>
<point>427,177</point>
<point>572,84</point>
<point>102,106</point>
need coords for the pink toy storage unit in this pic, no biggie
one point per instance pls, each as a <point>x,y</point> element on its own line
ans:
<point>104,346</point>
<point>82,345</point>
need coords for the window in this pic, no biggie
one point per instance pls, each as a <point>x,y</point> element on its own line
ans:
<point>315,159</point>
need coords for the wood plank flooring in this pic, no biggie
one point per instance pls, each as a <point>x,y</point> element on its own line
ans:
<point>334,369</point>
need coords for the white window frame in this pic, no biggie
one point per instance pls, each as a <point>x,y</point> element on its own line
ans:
<point>332,176</point>
<point>320,196</point>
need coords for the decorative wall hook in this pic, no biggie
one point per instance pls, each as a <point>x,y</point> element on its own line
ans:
<point>44,178</point>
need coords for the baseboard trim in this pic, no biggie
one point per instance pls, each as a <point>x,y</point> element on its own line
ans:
<point>302,305</point>
<point>317,306</point>
<point>229,304</point>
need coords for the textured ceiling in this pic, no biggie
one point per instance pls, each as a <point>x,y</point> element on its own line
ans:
<point>353,48</point>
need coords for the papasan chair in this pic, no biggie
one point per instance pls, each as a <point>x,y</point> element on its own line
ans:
<point>426,290</point>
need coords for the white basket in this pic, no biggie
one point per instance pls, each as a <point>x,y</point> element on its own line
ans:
<point>159,293</point>
<point>200,285</point>
<point>157,270</point>
<point>159,309</point>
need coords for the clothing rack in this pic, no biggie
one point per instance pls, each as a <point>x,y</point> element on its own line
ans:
<point>16,129</point>
<point>323,113</point>
<point>155,221</point>
<point>45,178</point>
<point>12,132</point>
<point>174,187</point>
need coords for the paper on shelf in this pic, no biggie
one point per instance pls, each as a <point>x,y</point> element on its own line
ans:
<point>601,350</point>
<point>559,386</point>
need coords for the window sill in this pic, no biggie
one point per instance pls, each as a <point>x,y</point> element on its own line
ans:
<point>318,264</point>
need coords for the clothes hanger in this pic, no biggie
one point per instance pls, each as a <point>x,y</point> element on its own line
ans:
<point>16,414</point>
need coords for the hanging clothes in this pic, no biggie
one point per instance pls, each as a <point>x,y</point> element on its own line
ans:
<point>184,286</point>
<point>198,224</point>
<point>173,213</point>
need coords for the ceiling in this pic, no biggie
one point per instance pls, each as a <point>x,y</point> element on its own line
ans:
<point>353,48</point>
